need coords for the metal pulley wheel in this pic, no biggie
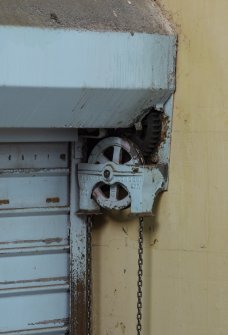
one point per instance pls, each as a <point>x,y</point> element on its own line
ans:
<point>119,151</point>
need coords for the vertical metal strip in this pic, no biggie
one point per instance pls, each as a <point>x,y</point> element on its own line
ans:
<point>78,252</point>
<point>140,277</point>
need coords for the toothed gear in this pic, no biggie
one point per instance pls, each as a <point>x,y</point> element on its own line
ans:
<point>149,138</point>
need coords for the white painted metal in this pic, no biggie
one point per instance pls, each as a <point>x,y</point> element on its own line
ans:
<point>123,151</point>
<point>82,79</point>
<point>34,239</point>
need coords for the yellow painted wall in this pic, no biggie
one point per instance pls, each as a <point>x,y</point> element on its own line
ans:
<point>186,246</point>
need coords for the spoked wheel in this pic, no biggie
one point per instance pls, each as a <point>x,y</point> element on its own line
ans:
<point>119,151</point>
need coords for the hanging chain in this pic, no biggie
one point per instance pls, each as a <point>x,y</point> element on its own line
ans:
<point>89,275</point>
<point>140,274</point>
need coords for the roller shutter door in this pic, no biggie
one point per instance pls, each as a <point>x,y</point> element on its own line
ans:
<point>34,238</point>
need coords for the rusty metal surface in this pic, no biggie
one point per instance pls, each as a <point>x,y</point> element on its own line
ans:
<point>142,186</point>
<point>116,163</point>
<point>78,307</point>
<point>53,200</point>
<point>122,151</point>
<point>78,252</point>
<point>4,202</point>
<point>115,15</point>
<point>164,148</point>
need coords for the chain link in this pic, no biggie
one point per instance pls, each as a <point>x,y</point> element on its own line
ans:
<point>89,275</point>
<point>140,279</point>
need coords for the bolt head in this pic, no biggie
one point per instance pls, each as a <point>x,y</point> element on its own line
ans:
<point>107,174</point>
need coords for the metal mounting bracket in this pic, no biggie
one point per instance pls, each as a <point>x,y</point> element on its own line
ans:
<point>143,183</point>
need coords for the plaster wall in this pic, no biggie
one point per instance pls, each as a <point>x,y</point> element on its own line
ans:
<point>186,243</point>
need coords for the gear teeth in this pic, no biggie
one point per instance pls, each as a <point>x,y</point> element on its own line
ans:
<point>150,138</point>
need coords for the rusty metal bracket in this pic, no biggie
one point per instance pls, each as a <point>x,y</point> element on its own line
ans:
<point>142,184</point>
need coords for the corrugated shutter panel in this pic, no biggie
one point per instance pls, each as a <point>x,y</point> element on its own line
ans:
<point>34,238</point>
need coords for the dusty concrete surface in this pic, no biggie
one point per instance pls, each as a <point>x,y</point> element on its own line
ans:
<point>117,15</point>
